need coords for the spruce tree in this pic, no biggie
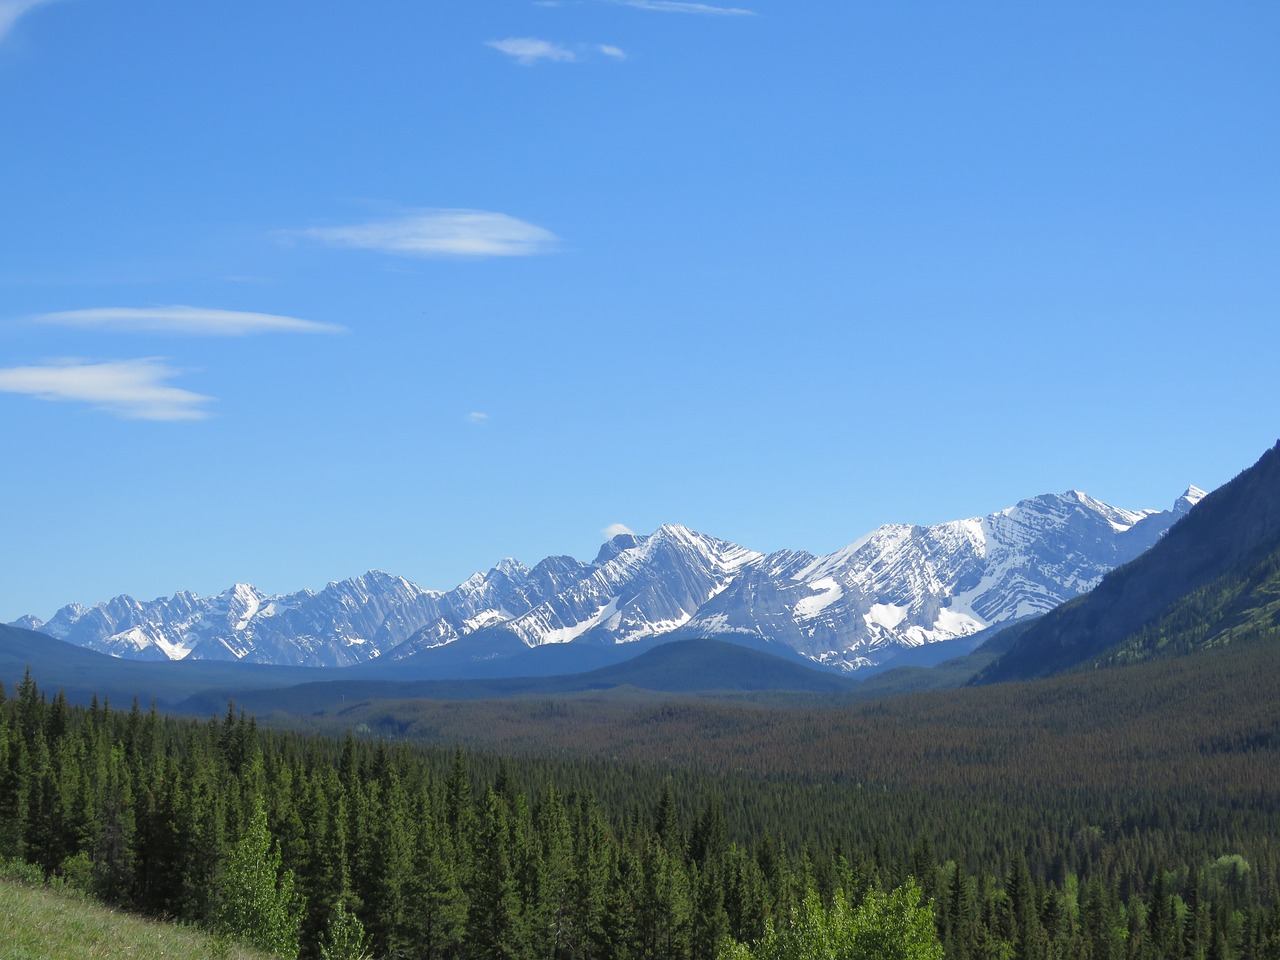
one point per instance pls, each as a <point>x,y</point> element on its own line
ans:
<point>496,924</point>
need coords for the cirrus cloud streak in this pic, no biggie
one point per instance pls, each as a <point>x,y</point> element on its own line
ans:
<point>527,50</point>
<point>11,10</point>
<point>442,233</point>
<point>679,6</point>
<point>184,319</point>
<point>130,389</point>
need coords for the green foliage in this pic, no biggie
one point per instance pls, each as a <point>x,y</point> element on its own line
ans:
<point>345,938</point>
<point>257,903</point>
<point>893,926</point>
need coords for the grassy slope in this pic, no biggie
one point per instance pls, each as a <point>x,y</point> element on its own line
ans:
<point>38,923</point>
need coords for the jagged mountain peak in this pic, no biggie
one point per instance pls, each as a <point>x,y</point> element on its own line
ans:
<point>240,591</point>
<point>675,531</point>
<point>723,552</point>
<point>1061,507</point>
<point>511,567</point>
<point>361,588</point>
<point>669,536</point>
<point>371,577</point>
<point>616,545</point>
<point>1189,499</point>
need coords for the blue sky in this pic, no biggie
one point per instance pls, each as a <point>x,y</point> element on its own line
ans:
<point>293,290</point>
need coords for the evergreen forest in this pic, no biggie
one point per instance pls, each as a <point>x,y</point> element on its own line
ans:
<point>988,825</point>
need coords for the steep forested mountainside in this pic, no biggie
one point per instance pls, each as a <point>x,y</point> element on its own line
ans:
<point>1211,579</point>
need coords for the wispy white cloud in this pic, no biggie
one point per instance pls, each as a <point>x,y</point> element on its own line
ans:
<point>475,416</point>
<point>678,6</point>
<point>442,233</point>
<point>527,50</point>
<point>131,389</point>
<point>616,530</point>
<point>11,10</point>
<point>182,319</point>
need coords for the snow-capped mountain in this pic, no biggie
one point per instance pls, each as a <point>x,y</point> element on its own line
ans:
<point>646,586</point>
<point>905,586</point>
<point>899,586</point>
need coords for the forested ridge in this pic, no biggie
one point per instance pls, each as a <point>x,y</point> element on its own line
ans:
<point>436,852</point>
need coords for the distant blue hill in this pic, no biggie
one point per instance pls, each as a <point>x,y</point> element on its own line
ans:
<point>682,666</point>
<point>82,674</point>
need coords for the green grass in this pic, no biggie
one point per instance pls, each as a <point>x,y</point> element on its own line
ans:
<point>42,923</point>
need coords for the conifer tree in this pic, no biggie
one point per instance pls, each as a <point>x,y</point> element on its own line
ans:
<point>745,896</point>
<point>584,928</point>
<point>553,911</point>
<point>710,919</point>
<point>496,923</point>
<point>389,862</point>
<point>960,915</point>
<point>665,914</point>
<point>710,837</point>
<point>113,855</point>
<point>437,901</point>
<point>666,819</point>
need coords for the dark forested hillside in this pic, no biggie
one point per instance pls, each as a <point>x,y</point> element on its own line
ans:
<point>1211,577</point>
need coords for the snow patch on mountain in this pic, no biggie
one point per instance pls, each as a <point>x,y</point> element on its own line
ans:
<point>885,615</point>
<point>827,593</point>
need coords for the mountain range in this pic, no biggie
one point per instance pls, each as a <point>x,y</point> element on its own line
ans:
<point>898,588</point>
